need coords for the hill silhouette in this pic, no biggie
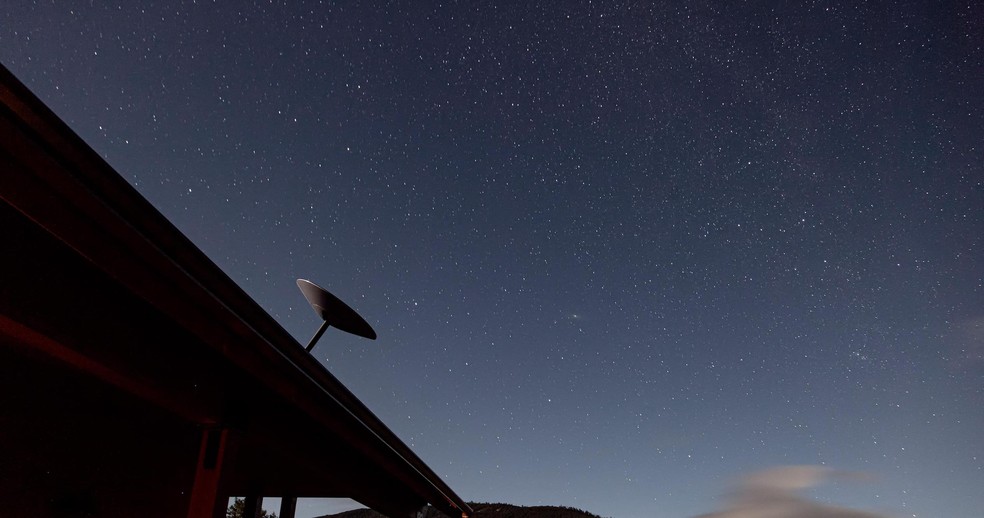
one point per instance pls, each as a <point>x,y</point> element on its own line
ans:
<point>486,510</point>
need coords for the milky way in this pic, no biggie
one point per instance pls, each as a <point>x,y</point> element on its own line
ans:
<point>617,254</point>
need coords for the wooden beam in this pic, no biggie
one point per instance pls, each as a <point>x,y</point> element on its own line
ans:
<point>205,497</point>
<point>253,504</point>
<point>288,506</point>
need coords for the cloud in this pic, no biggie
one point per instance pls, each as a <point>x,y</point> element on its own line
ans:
<point>772,494</point>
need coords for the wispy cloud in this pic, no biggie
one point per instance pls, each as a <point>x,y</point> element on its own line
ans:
<point>773,494</point>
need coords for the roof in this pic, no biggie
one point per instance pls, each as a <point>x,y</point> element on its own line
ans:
<point>116,272</point>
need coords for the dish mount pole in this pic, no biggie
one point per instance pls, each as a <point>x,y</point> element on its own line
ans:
<point>317,336</point>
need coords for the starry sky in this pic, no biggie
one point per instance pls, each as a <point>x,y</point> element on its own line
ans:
<point>618,254</point>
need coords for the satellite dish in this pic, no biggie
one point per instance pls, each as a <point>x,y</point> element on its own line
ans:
<point>334,312</point>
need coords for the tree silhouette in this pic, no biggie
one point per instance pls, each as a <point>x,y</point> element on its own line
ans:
<point>239,505</point>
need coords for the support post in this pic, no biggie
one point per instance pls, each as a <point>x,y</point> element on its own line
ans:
<point>288,506</point>
<point>253,506</point>
<point>205,497</point>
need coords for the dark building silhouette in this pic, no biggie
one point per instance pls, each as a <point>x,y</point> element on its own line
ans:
<point>137,379</point>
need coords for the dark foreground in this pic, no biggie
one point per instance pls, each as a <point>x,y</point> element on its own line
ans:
<point>487,511</point>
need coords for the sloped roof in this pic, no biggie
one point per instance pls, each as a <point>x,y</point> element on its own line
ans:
<point>218,359</point>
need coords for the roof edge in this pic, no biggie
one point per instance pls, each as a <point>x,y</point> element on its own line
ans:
<point>132,214</point>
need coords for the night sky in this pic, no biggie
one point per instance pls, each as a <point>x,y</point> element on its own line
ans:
<point>618,255</point>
